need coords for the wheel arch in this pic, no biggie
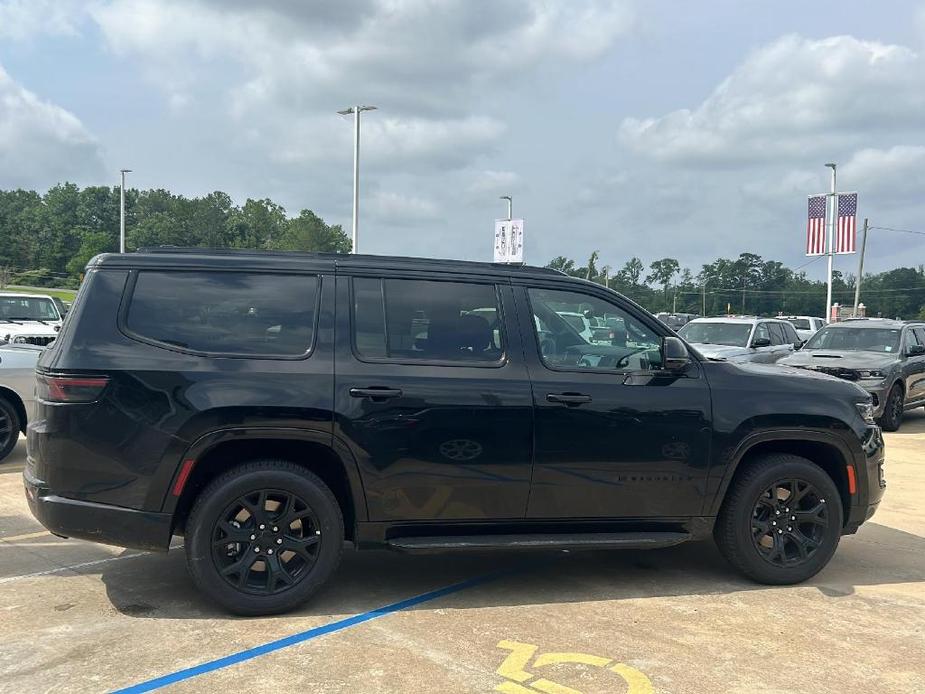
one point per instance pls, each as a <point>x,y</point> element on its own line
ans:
<point>825,451</point>
<point>13,398</point>
<point>218,452</point>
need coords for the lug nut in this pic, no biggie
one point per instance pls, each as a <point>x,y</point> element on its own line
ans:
<point>776,513</point>
<point>279,541</point>
<point>257,549</point>
<point>793,517</point>
<point>275,529</point>
<point>773,522</point>
<point>262,526</point>
<point>780,532</point>
<point>317,532</point>
<point>269,551</point>
<point>253,537</point>
<point>789,529</point>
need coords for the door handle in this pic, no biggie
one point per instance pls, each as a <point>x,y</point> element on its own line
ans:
<point>375,393</point>
<point>568,398</point>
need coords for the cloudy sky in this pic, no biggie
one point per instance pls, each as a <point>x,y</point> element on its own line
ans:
<point>636,128</point>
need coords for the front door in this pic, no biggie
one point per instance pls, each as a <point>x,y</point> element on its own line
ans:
<point>914,366</point>
<point>432,396</point>
<point>616,435</point>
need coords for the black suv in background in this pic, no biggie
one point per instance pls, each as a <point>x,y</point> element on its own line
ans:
<point>270,406</point>
<point>885,357</point>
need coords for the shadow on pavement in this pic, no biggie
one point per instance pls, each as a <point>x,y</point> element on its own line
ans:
<point>158,586</point>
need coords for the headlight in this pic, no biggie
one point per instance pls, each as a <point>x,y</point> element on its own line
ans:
<point>20,340</point>
<point>866,410</point>
<point>871,373</point>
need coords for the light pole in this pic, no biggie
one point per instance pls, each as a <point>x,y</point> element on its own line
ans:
<point>830,234</point>
<point>122,211</point>
<point>356,110</point>
<point>510,206</point>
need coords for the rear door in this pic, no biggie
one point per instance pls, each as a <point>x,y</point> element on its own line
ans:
<point>616,435</point>
<point>432,396</point>
<point>781,346</point>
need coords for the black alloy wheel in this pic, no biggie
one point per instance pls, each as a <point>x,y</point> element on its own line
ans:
<point>789,522</point>
<point>893,410</point>
<point>265,541</point>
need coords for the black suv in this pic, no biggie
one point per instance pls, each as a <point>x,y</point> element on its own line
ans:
<point>885,357</point>
<point>270,406</point>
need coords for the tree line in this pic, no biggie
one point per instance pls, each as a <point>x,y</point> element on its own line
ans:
<point>750,284</point>
<point>46,240</point>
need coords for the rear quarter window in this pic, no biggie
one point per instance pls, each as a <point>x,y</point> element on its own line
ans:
<point>224,313</point>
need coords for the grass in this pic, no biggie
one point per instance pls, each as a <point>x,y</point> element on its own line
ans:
<point>63,294</point>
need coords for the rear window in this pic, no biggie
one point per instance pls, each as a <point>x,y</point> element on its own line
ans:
<point>225,313</point>
<point>426,320</point>
<point>800,323</point>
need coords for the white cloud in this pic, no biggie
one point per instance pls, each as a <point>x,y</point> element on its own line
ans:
<point>24,19</point>
<point>397,208</point>
<point>493,182</point>
<point>41,143</point>
<point>794,97</point>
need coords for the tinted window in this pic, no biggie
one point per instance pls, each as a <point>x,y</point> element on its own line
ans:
<point>621,343</point>
<point>800,323</point>
<point>910,338</point>
<point>225,312</point>
<point>421,319</point>
<point>777,334</point>
<point>27,308</point>
<point>920,333</point>
<point>761,332</point>
<point>790,335</point>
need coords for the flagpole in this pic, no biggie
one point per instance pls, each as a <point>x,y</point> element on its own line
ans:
<point>830,247</point>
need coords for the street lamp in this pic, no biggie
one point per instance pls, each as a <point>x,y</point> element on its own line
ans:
<point>510,205</point>
<point>830,233</point>
<point>356,110</point>
<point>122,211</point>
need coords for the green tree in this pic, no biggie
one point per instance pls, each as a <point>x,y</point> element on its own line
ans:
<point>662,272</point>
<point>308,232</point>
<point>92,244</point>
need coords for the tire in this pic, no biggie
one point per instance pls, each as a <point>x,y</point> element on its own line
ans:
<point>892,416</point>
<point>774,556</point>
<point>261,587</point>
<point>10,426</point>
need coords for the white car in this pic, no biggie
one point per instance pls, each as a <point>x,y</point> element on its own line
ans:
<point>17,387</point>
<point>592,334</point>
<point>806,326</point>
<point>32,319</point>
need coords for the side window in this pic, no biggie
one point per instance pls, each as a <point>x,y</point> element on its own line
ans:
<point>777,334</point>
<point>426,320</point>
<point>581,331</point>
<point>920,334</point>
<point>230,313</point>
<point>761,332</point>
<point>910,339</point>
<point>790,335</point>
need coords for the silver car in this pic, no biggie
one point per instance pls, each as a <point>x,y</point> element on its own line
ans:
<point>742,339</point>
<point>17,388</point>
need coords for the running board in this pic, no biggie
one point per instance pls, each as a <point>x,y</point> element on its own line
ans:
<point>576,541</point>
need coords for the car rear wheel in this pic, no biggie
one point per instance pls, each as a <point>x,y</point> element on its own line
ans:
<point>9,428</point>
<point>781,521</point>
<point>892,415</point>
<point>264,537</point>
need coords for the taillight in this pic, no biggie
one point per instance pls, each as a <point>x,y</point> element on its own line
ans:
<point>69,388</point>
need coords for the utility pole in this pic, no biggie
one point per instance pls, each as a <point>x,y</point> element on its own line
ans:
<point>703,299</point>
<point>122,210</point>
<point>857,284</point>
<point>832,211</point>
<point>356,110</point>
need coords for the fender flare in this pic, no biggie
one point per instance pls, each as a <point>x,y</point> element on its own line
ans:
<point>210,440</point>
<point>752,440</point>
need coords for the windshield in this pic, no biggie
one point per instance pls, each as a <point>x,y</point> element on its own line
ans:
<point>729,334</point>
<point>855,339</point>
<point>27,308</point>
<point>800,323</point>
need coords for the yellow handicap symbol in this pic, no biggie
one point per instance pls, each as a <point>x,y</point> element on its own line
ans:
<point>522,681</point>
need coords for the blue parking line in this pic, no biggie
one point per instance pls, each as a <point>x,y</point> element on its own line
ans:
<point>301,637</point>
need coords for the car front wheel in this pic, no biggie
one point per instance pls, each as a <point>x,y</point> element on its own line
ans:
<point>9,428</point>
<point>781,521</point>
<point>892,415</point>
<point>264,537</point>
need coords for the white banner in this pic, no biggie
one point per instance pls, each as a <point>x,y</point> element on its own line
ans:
<point>509,240</point>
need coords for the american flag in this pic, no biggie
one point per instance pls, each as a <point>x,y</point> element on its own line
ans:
<point>846,227</point>
<point>815,227</point>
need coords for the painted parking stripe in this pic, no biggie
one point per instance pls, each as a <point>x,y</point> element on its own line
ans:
<point>304,636</point>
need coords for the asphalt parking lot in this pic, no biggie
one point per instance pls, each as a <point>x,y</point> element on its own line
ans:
<point>75,616</point>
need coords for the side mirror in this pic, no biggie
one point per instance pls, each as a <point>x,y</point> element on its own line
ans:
<point>915,350</point>
<point>674,354</point>
<point>761,342</point>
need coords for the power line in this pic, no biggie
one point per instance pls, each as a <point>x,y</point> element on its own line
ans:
<point>902,231</point>
<point>809,262</point>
